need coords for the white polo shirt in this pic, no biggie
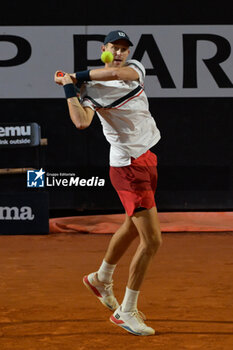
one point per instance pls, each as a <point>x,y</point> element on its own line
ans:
<point>123,110</point>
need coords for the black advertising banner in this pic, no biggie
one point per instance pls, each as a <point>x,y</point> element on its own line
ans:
<point>19,134</point>
<point>24,213</point>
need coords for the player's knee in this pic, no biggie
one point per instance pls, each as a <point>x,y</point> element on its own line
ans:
<point>152,244</point>
<point>155,242</point>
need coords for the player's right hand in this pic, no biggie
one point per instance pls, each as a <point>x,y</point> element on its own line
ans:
<point>62,80</point>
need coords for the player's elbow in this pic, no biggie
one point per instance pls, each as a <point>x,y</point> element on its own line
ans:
<point>81,126</point>
<point>82,117</point>
<point>79,120</point>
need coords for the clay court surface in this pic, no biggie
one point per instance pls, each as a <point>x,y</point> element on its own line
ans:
<point>187,295</point>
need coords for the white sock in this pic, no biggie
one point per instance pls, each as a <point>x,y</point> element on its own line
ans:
<point>130,300</point>
<point>105,272</point>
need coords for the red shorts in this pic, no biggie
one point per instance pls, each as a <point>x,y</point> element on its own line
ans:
<point>136,183</point>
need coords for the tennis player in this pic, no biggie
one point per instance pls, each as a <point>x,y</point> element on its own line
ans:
<point>116,94</point>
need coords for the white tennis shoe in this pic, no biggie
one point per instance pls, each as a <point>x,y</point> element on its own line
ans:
<point>103,291</point>
<point>132,322</point>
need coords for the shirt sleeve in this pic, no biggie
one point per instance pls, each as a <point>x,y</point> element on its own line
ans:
<point>136,65</point>
<point>85,101</point>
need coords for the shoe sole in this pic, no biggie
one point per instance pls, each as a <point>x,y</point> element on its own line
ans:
<point>122,324</point>
<point>96,293</point>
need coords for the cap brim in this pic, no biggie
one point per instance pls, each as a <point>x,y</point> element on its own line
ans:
<point>116,39</point>
<point>112,41</point>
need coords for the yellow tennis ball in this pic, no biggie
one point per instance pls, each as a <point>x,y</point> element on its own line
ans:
<point>107,57</point>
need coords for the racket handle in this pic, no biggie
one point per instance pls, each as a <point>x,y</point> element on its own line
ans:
<point>60,74</point>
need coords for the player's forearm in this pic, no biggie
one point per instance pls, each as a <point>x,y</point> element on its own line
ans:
<point>77,113</point>
<point>80,116</point>
<point>106,74</point>
<point>113,73</point>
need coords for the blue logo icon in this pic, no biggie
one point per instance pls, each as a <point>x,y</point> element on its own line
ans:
<point>35,178</point>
